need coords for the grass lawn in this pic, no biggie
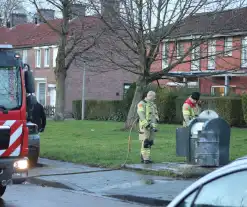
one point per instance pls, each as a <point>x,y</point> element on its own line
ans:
<point>103,144</point>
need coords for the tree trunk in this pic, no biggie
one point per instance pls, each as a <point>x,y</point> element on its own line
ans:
<point>132,114</point>
<point>60,96</point>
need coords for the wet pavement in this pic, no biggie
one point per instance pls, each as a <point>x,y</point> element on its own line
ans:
<point>179,169</point>
<point>31,195</point>
<point>152,190</point>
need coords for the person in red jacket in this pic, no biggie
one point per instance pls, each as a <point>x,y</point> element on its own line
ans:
<point>191,108</point>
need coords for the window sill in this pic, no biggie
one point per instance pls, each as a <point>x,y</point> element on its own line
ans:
<point>226,55</point>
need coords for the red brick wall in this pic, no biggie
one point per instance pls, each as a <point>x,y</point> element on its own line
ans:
<point>98,86</point>
<point>239,82</point>
<point>222,62</point>
<point>42,72</point>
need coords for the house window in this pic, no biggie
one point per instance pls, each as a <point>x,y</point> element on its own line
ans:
<point>180,49</point>
<point>244,53</point>
<point>195,56</point>
<point>38,58</point>
<point>126,88</point>
<point>24,56</point>
<point>165,54</point>
<point>228,46</point>
<point>55,51</point>
<point>47,57</point>
<point>220,90</point>
<point>41,93</point>
<point>211,54</point>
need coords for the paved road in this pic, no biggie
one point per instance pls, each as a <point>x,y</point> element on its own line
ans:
<point>38,196</point>
<point>114,183</point>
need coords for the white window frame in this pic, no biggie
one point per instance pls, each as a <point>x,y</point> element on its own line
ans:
<point>55,52</point>
<point>244,52</point>
<point>165,54</point>
<point>179,47</point>
<point>221,86</point>
<point>46,57</point>
<point>24,56</point>
<point>37,59</point>
<point>195,64</point>
<point>228,46</point>
<point>211,54</point>
<point>41,80</point>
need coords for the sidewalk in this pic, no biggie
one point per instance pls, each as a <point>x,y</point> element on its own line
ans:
<point>126,185</point>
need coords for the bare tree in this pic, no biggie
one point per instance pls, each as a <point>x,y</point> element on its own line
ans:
<point>7,7</point>
<point>139,29</point>
<point>75,37</point>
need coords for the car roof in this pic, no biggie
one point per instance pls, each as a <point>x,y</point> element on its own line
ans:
<point>238,164</point>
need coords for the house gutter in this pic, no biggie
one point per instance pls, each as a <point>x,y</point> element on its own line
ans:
<point>200,36</point>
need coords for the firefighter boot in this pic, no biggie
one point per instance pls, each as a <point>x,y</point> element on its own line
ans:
<point>145,151</point>
<point>142,160</point>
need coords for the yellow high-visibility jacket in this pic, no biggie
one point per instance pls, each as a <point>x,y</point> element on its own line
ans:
<point>189,112</point>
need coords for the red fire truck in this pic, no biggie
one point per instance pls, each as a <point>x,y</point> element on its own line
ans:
<point>15,86</point>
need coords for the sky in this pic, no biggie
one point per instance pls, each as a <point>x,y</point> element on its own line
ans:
<point>30,9</point>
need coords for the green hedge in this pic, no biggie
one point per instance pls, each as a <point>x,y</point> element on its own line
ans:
<point>118,110</point>
<point>244,106</point>
<point>229,108</point>
<point>232,109</point>
<point>166,105</point>
<point>100,110</point>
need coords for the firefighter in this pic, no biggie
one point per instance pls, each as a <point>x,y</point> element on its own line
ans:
<point>39,117</point>
<point>148,118</point>
<point>191,108</point>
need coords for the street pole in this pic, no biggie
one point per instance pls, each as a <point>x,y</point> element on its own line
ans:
<point>83,93</point>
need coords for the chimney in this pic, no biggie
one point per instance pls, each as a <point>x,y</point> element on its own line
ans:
<point>8,24</point>
<point>18,18</point>
<point>35,20</point>
<point>48,14</point>
<point>109,8</point>
<point>77,10</point>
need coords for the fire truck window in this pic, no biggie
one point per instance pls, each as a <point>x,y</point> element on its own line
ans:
<point>10,87</point>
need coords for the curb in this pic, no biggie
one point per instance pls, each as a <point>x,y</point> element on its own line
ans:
<point>130,198</point>
<point>46,183</point>
<point>142,200</point>
<point>173,173</point>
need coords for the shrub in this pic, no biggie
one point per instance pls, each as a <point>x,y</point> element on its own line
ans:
<point>244,106</point>
<point>166,105</point>
<point>76,109</point>
<point>100,110</point>
<point>229,108</point>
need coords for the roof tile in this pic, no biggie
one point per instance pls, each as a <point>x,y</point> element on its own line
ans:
<point>31,34</point>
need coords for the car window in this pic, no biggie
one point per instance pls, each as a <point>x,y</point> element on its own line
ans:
<point>227,191</point>
<point>188,201</point>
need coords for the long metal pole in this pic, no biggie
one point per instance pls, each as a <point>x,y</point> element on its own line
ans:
<point>83,93</point>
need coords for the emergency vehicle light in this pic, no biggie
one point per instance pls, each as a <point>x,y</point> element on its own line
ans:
<point>6,46</point>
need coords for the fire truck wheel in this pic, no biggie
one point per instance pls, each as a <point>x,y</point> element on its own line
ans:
<point>2,190</point>
<point>33,157</point>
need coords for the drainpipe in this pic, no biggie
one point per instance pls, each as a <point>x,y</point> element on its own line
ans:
<point>226,85</point>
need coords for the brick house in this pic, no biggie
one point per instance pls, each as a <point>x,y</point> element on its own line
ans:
<point>38,45</point>
<point>225,50</point>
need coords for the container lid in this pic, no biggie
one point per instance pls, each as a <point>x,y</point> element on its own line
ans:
<point>208,114</point>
